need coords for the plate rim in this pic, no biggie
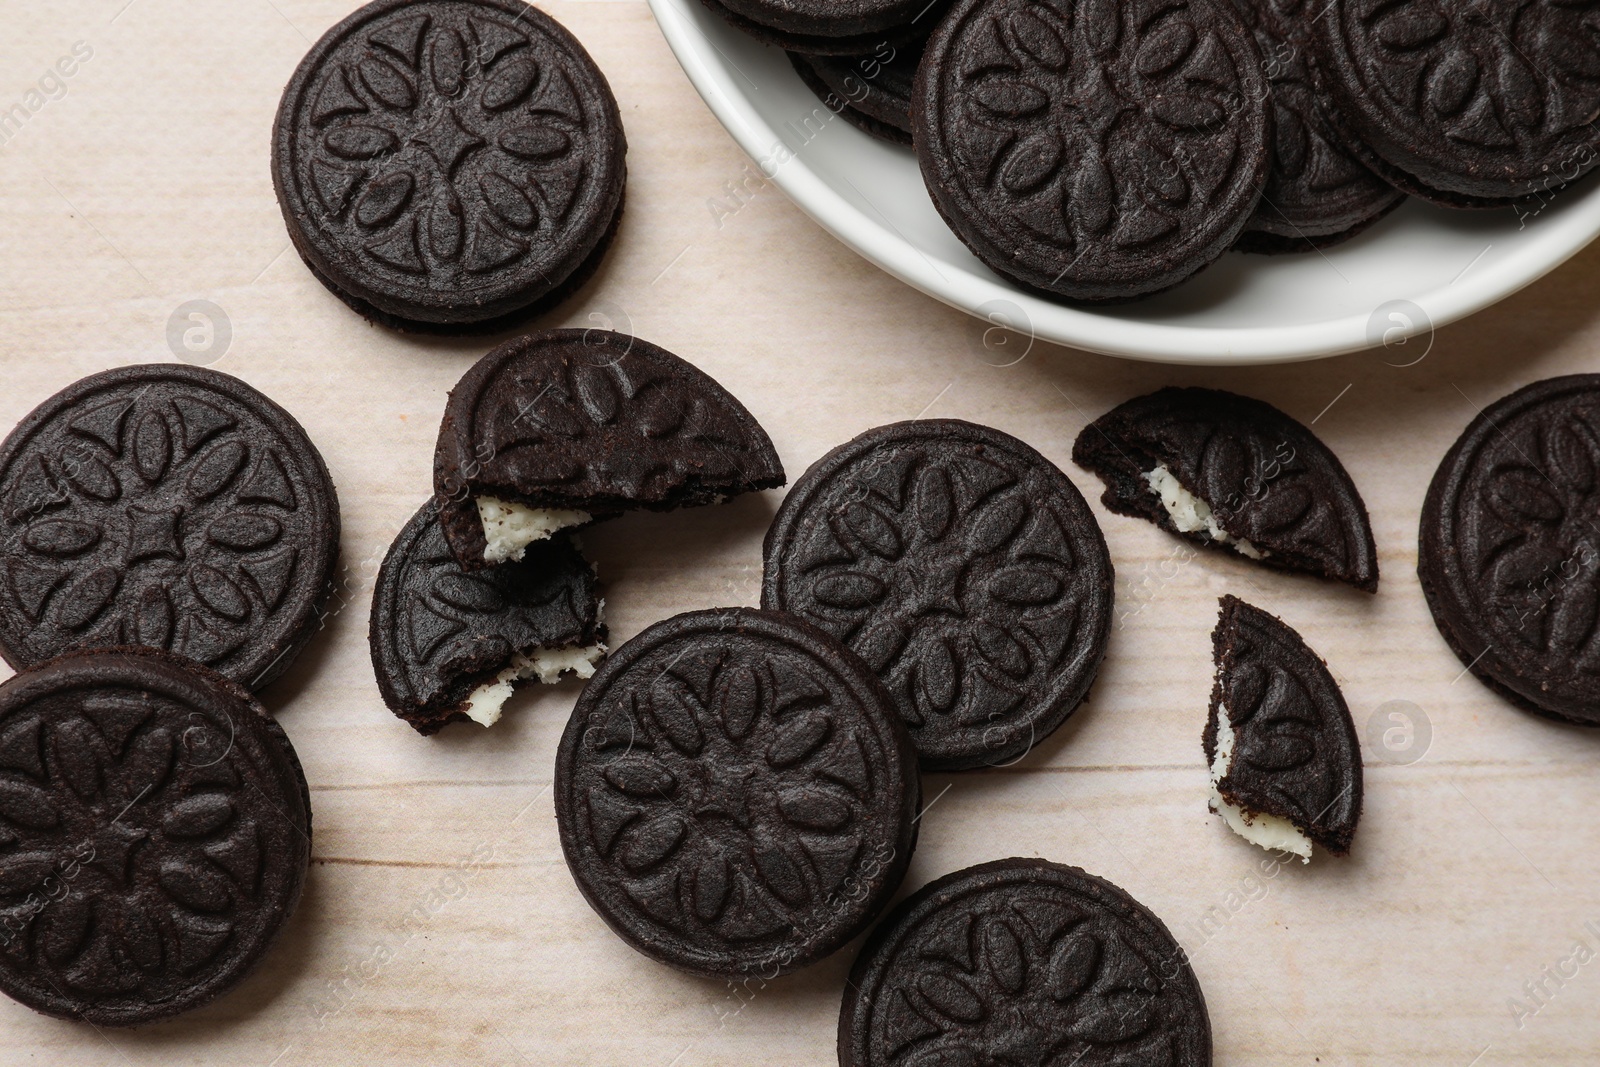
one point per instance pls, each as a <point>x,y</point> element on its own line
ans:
<point>880,244</point>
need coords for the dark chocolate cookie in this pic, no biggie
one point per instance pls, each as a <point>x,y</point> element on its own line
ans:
<point>169,506</point>
<point>448,646</point>
<point>449,165</point>
<point>1509,552</point>
<point>1279,739</point>
<point>1262,243</point>
<point>872,92</point>
<point>853,44</point>
<point>154,835</point>
<point>582,423</point>
<point>964,568</point>
<point>1480,102</point>
<point>1091,149</point>
<point>839,105</point>
<point>1317,193</point>
<point>832,27</point>
<point>735,795</point>
<point>1229,472</point>
<point>1022,961</point>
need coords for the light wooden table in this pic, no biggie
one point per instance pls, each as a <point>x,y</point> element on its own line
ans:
<point>440,924</point>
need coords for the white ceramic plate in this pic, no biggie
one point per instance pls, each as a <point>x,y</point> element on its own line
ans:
<point>1419,268</point>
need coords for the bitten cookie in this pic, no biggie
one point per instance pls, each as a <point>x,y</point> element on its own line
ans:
<point>1285,761</point>
<point>448,646</point>
<point>1235,474</point>
<point>556,429</point>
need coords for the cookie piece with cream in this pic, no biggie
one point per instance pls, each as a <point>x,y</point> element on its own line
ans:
<point>1284,757</point>
<point>448,645</point>
<point>1236,474</point>
<point>562,428</point>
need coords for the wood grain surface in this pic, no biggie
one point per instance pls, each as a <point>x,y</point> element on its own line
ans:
<point>440,924</point>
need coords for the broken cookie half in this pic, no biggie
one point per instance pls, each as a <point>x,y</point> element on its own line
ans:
<point>449,646</point>
<point>558,429</point>
<point>1235,474</point>
<point>1285,761</point>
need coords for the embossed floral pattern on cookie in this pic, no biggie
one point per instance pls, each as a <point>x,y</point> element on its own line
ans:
<point>1022,962</point>
<point>594,421</point>
<point>1093,148</point>
<point>448,153</point>
<point>153,836</point>
<point>1294,751</point>
<point>437,633</point>
<point>1270,489</point>
<point>1510,546</point>
<point>963,568</point>
<point>1317,188</point>
<point>166,506</point>
<point>733,799</point>
<point>1494,99</point>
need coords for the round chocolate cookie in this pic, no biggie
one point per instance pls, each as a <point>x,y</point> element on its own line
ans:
<point>1022,961</point>
<point>1470,104</point>
<point>735,795</point>
<point>1509,552</point>
<point>832,27</point>
<point>1317,193</point>
<point>169,506</point>
<point>871,92</point>
<point>964,568</point>
<point>1094,150</point>
<point>154,835</point>
<point>449,165</point>
<point>437,633</point>
<point>590,423</point>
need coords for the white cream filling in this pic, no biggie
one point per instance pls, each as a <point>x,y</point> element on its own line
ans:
<point>1271,832</point>
<point>1190,514</point>
<point>509,528</point>
<point>547,664</point>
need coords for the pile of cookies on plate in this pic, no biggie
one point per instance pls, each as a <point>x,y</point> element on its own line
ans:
<point>1099,151</point>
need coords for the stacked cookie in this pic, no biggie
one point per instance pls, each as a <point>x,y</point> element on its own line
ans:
<point>833,27</point>
<point>1478,105</point>
<point>1099,152</point>
<point>1507,554</point>
<point>450,166</point>
<point>169,540</point>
